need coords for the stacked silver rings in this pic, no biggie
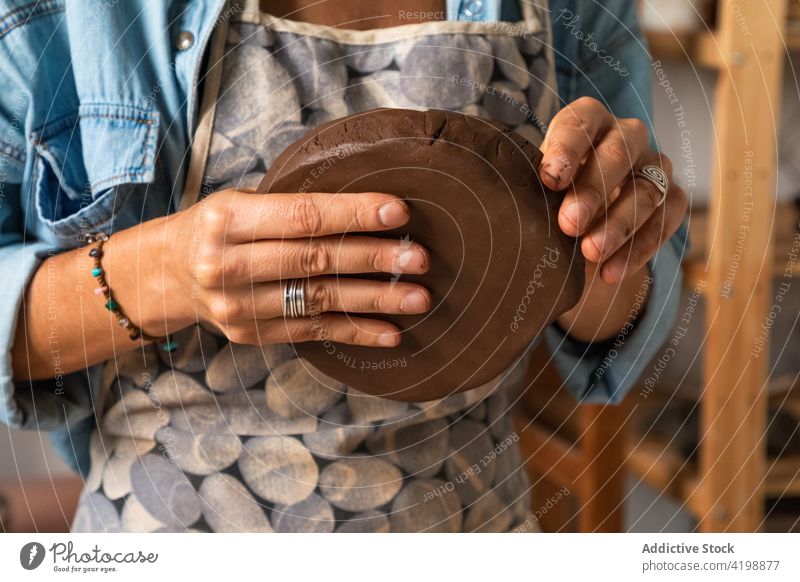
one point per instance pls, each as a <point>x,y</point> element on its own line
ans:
<point>294,298</point>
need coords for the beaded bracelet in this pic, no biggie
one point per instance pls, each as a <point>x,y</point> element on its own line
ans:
<point>167,343</point>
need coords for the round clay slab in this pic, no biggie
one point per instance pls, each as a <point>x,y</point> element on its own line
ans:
<point>501,269</point>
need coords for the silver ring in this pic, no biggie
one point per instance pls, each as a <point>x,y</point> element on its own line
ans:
<point>294,298</point>
<point>657,177</point>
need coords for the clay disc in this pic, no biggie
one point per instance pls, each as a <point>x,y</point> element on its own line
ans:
<point>501,269</point>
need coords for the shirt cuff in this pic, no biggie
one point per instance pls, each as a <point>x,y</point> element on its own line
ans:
<point>42,404</point>
<point>603,373</point>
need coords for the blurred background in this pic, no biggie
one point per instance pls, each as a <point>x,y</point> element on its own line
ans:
<point>708,440</point>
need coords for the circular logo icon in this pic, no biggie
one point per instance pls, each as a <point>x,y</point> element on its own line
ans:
<point>31,555</point>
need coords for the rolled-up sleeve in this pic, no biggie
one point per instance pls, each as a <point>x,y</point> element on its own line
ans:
<point>60,401</point>
<point>619,77</point>
<point>18,259</point>
<point>18,262</point>
<point>39,405</point>
<point>605,371</point>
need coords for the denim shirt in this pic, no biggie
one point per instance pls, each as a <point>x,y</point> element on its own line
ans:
<point>97,109</point>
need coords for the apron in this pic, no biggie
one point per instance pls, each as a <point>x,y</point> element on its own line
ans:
<point>224,437</point>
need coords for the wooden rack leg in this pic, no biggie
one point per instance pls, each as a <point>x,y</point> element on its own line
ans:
<point>729,495</point>
<point>602,481</point>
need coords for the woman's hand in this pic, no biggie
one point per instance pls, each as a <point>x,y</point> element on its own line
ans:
<point>223,261</point>
<point>593,155</point>
<point>241,246</point>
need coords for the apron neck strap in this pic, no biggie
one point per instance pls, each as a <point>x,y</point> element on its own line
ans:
<point>202,136</point>
<point>529,14</point>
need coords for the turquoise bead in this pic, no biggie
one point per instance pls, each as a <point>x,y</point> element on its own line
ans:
<point>169,346</point>
<point>111,305</point>
<point>97,271</point>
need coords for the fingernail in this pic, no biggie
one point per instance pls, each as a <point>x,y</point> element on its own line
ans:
<point>547,169</point>
<point>414,302</point>
<point>411,258</point>
<point>388,339</point>
<point>393,213</point>
<point>579,214</point>
<point>598,242</point>
<point>557,170</point>
<point>563,164</point>
<point>612,274</point>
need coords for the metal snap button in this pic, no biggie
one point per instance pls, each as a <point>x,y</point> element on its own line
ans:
<point>473,8</point>
<point>184,40</point>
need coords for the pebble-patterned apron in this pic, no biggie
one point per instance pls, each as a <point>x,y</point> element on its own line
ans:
<point>222,437</point>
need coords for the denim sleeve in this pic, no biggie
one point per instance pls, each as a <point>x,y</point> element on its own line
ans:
<point>18,259</point>
<point>41,405</point>
<point>600,52</point>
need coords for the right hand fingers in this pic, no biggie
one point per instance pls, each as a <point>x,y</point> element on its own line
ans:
<point>570,138</point>
<point>279,260</point>
<point>239,216</point>
<point>326,327</point>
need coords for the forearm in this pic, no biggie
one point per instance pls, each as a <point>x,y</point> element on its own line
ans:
<point>64,326</point>
<point>605,309</point>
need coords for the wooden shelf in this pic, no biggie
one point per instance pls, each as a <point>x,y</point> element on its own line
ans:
<point>784,231</point>
<point>700,47</point>
<point>663,467</point>
<point>669,45</point>
<point>666,471</point>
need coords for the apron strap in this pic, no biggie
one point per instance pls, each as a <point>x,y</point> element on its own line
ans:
<point>529,14</point>
<point>202,137</point>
